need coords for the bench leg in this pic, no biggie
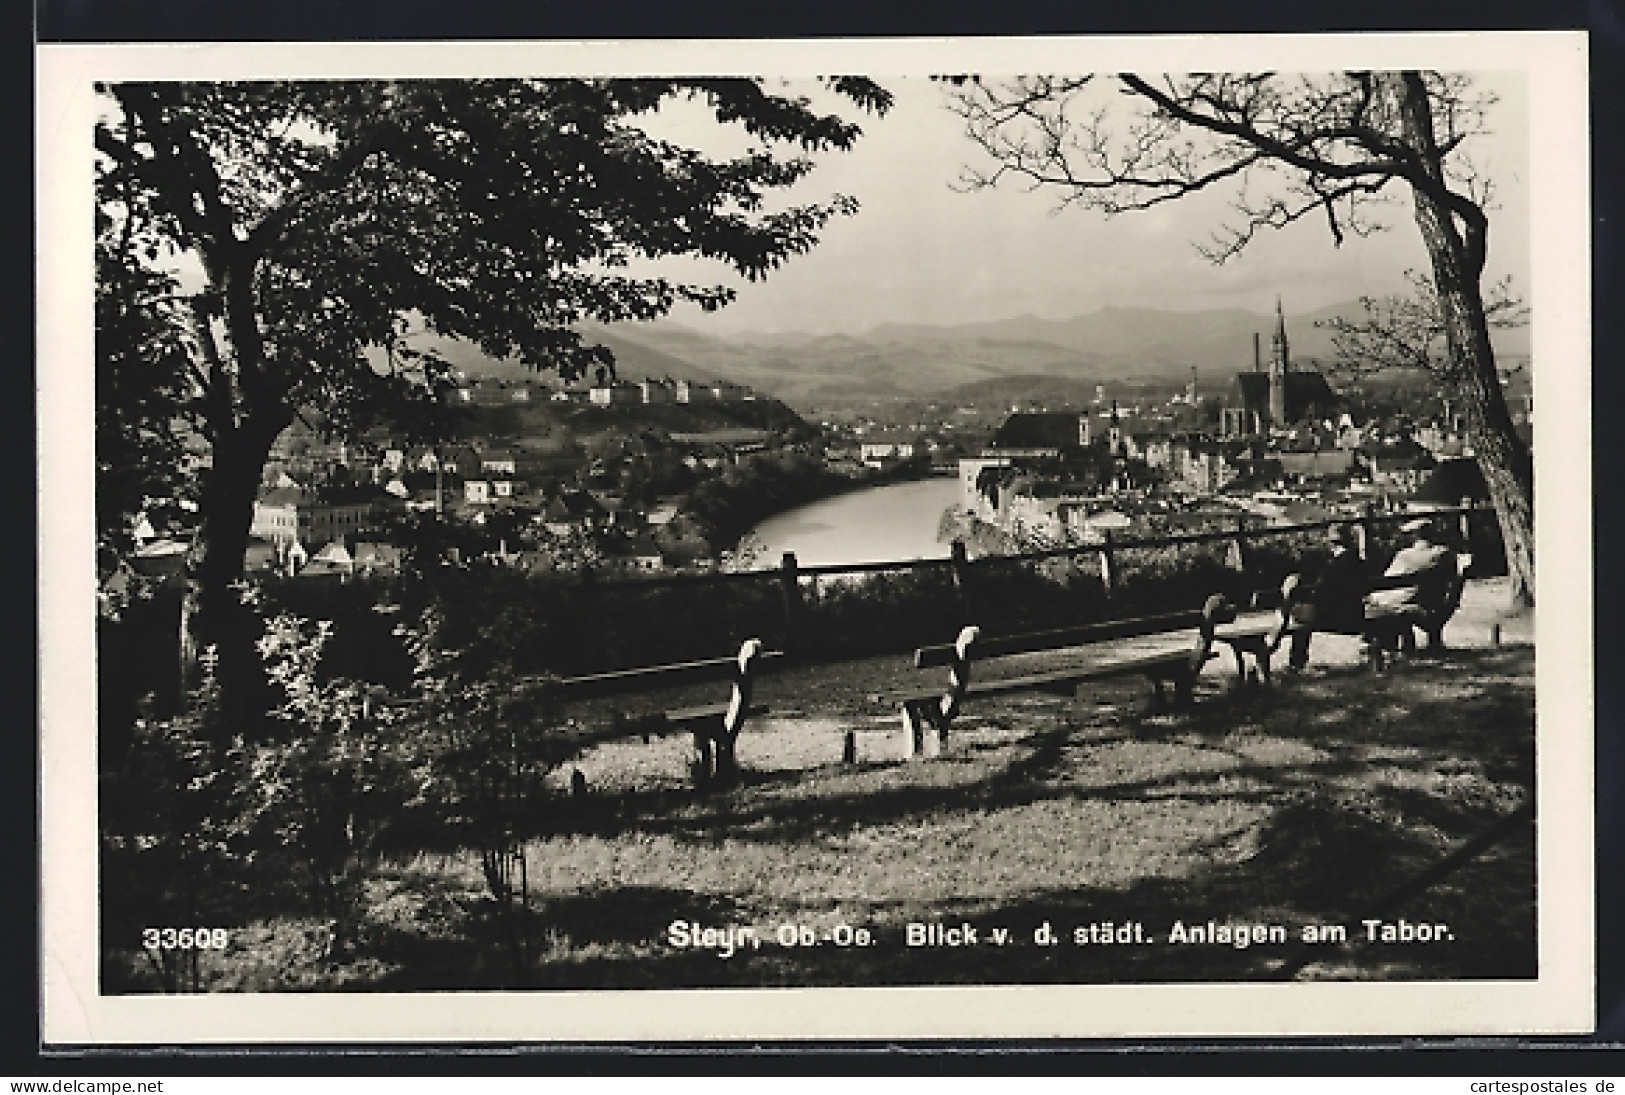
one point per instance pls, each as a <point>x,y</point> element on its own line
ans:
<point>1241,664</point>
<point>1182,689</point>
<point>1260,652</point>
<point>703,764</point>
<point>1434,629</point>
<point>925,729</point>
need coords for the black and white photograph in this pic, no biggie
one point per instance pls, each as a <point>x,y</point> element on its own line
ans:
<point>639,540</point>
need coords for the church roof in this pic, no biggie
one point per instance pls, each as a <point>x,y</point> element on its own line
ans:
<point>1038,430</point>
<point>1303,390</point>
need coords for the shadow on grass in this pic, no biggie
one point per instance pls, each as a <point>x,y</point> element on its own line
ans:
<point>1369,781</point>
<point>1317,864</point>
<point>1345,720</point>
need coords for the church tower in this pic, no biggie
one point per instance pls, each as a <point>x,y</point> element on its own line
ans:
<point>1280,365</point>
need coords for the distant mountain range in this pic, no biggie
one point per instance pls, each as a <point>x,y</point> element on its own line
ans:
<point>896,360</point>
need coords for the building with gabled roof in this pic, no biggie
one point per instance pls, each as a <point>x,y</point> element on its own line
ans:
<point>1040,434</point>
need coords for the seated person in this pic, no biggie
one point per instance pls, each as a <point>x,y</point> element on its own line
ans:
<point>1427,603</point>
<point>1334,601</point>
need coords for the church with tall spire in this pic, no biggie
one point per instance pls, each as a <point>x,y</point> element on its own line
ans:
<point>1263,402</point>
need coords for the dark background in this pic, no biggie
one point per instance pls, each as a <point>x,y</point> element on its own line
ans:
<point>314,20</point>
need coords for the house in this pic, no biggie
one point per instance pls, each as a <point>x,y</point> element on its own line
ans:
<point>639,553</point>
<point>615,394</point>
<point>886,448</point>
<point>459,460</point>
<point>1205,467</point>
<point>333,560</point>
<point>1321,464</point>
<point>690,392</point>
<point>658,391</point>
<point>1040,435</point>
<point>377,558</point>
<point>718,391</point>
<point>1088,526</point>
<point>262,555</point>
<point>1400,467</point>
<point>618,512</point>
<point>160,558</point>
<point>1029,516</point>
<point>572,510</point>
<point>973,497</point>
<point>285,514</point>
<point>498,462</point>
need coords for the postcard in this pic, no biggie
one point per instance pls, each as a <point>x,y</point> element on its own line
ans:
<point>627,541</point>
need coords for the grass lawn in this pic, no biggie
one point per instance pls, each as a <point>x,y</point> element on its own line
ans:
<point>1308,804</point>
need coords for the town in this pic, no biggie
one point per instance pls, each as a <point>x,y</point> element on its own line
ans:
<point>657,476</point>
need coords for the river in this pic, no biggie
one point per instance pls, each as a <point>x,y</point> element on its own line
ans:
<point>896,521</point>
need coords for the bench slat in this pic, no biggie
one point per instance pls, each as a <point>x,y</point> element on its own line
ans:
<point>928,657</point>
<point>630,680</point>
<point>683,716</point>
<point>1173,662</point>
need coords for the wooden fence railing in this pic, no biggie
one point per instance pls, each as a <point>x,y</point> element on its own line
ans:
<point>1238,540</point>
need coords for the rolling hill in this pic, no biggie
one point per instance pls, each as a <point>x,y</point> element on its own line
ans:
<point>895,360</point>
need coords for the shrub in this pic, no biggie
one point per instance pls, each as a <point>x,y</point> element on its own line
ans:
<point>324,788</point>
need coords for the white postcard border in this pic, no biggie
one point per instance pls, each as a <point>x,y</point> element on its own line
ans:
<point>1560,1001</point>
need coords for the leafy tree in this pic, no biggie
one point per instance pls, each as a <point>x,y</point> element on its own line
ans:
<point>312,227</point>
<point>142,458</point>
<point>1284,148</point>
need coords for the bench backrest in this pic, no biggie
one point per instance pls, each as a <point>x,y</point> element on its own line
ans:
<point>927,657</point>
<point>702,671</point>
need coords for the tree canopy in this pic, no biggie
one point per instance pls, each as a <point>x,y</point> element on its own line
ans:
<point>272,246</point>
<point>1281,147</point>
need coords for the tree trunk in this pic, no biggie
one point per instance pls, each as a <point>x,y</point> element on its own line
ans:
<point>1457,255</point>
<point>215,616</point>
<point>1502,456</point>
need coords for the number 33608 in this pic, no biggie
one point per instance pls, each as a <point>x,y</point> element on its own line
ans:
<point>185,939</point>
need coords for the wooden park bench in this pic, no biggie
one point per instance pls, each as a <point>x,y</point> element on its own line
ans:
<point>1215,622</point>
<point>1385,631</point>
<point>715,726</point>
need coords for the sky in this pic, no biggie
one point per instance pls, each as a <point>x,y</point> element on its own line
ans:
<point>920,251</point>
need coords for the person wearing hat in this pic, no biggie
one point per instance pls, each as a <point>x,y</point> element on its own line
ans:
<point>1432,564</point>
<point>1335,602</point>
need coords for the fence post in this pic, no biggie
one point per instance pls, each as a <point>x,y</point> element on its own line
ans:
<point>961,563</point>
<point>1467,524</point>
<point>1237,560</point>
<point>790,587</point>
<point>1107,578</point>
